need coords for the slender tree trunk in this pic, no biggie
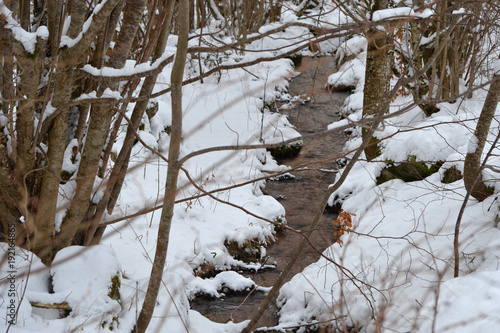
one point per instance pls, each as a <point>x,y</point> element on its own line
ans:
<point>172,172</point>
<point>77,11</point>
<point>29,73</point>
<point>52,172</point>
<point>54,14</point>
<point>472,163</point>
<point>377,78</point>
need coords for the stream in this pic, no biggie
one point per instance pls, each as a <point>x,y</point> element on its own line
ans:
<point>300,194</point>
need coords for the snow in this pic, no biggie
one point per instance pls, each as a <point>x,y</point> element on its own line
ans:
<point>397,226</point>
<point>466,304</point>
<point>107,93</point>
<point>401,12</point>
<point>459,11</point>
<point>84,276</point>
<point>212,287</point>
<point>141,68</point>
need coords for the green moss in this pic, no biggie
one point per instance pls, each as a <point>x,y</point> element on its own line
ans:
<point>489,190</point>
<point>280,227</point>
<point>70,214</point>
<point>112,325</point>
<point>65,176</point>
<point>451,175</point>
<point>296,59</point>
<point>429,109</point>
<point>113,293</point>
<point>249,251</point>
<point>34,55</point>
<point>152,109</point>
<point>269,106</point>
<point>287,151</point>
<point>409,171</point>
<point>114,288</point>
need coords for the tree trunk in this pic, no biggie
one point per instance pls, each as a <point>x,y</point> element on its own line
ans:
<point>172,172</point>
<point>377,78</point>
<point>47,205</point>
<point>77,12</point>
<point>472,167</point>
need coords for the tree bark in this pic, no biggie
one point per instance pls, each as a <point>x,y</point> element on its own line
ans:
<point>377,78</point>
<point>172,172</point>
<point>78,10</point>
<point>47,205</point>
<point>473,178</point>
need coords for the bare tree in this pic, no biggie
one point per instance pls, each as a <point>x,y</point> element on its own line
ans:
<point>473,178</point>
<point>172,171</point>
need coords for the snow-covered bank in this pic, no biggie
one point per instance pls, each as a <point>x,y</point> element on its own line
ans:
<point>394,272</point>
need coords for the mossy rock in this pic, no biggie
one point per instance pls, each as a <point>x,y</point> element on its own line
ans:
<point>248,252</point>
<point>281,224</point>
<point>341,88</point>
<point>296,59</point>
<point>152,109</point>
<point>429,109</point>
<point>409,171</point>
<point>269,106</point>
<point>66,176</point>
<point>287,151</point>
<point>451,175</point>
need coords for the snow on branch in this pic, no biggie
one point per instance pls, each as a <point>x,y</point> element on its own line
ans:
<point>27,39</point>
<point>402,12</point>
<point>107,94</point>
<point>67,41</point>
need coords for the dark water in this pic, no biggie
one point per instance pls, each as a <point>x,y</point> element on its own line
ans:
<point>300,196</point>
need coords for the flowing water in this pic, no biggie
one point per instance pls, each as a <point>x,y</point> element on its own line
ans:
<point>300,195</point>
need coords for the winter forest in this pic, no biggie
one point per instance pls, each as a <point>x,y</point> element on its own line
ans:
<point>249,166</point>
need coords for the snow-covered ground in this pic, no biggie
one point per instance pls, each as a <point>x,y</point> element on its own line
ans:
<point>394,272</point>
<point>397,264</point>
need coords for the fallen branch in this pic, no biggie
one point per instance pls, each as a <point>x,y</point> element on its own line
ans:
<point>56,306</point>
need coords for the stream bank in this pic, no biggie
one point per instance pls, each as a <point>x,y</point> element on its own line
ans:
<point>300,194</point>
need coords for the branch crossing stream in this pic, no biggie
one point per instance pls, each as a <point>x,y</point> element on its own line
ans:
<point>299,194</point>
